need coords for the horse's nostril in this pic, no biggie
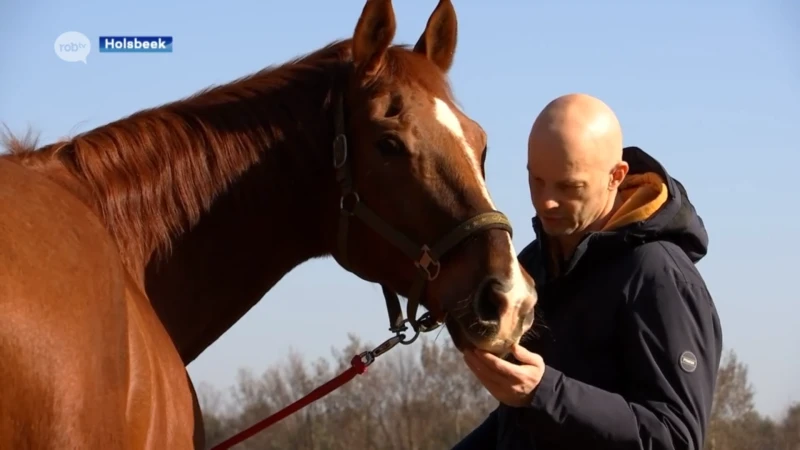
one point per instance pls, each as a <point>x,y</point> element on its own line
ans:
<point>488,301</point>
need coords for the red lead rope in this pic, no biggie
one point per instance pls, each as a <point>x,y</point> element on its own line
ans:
<point>358,365</point>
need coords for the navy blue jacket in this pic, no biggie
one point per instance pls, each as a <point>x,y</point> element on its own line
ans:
<point>628,331</point>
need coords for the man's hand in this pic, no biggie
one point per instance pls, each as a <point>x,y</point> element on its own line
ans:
<point>509,383</point>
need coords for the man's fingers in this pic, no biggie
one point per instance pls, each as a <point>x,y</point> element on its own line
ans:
<point>497,365</point>
<point>486,378</point>
<point>482,375</point>
<point>484,372</point>
<point>524,356</point>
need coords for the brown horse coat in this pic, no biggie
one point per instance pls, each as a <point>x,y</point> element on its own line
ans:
<point>127,250</point>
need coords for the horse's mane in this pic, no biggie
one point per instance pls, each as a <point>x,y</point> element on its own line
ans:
<point>153,173</point>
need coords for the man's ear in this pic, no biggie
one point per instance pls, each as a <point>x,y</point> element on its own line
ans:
<point>618,174</point>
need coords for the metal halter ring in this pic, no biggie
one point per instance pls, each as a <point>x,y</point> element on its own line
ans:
<point>356,200</point>
<point>399,333</point>
<point>405,341</point>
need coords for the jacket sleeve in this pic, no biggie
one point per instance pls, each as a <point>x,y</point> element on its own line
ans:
<point>484,437</point>
<point>667,402</point>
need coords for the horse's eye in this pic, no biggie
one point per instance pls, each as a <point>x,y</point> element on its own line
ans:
<point>391,147</point>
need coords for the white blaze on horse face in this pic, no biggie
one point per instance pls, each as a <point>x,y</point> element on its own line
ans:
<point>520,295</point>
<point>446,116</point>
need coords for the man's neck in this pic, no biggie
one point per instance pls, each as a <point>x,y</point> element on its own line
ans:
<point>609,212</point>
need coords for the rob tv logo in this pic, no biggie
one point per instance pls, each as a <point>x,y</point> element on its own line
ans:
<point>135,44</point>
<point>72,46</point>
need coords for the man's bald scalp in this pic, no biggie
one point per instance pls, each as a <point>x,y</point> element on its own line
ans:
<point>581,126</point>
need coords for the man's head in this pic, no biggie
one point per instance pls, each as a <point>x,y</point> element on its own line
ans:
<point>575,164</point>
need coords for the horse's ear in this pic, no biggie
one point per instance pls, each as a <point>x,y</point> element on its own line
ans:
<point>438,41</point>
<point>373,35</point>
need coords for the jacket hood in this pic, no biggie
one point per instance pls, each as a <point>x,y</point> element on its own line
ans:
<point>655,207</point>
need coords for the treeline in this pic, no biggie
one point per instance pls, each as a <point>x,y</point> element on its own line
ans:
<point>423,397</point>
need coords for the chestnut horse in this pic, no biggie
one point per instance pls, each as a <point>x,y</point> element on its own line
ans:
<point>129,249</point>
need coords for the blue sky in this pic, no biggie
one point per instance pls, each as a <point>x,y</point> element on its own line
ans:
<point>712,89</point>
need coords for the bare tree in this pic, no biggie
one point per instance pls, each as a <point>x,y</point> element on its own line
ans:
<point>423,397</point>
<point>789,429</point>
<point>413,398</point>
<point>215,419</point>
<point>735,424</point>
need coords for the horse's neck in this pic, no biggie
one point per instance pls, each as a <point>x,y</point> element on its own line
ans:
<point>263,219</point>
<point>268,221</point>
<point>224,266</point>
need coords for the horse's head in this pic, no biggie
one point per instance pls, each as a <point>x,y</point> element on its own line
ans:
<point>412,176</point>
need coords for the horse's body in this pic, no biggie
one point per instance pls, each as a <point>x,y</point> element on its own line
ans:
<point>80,345</point>
<point>128,250</point>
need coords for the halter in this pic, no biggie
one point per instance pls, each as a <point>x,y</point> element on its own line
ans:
<point>426,258</point>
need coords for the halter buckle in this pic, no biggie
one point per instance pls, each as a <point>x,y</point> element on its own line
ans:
<point>339,150</point>
<point>426,261</point>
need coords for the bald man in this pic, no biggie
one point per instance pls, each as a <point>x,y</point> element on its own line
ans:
<point>627,343</point>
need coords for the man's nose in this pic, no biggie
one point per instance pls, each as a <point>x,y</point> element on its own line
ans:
<point>550,204</point>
